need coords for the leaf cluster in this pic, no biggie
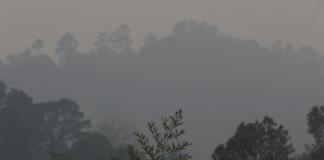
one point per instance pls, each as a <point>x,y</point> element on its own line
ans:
<point>165,142</point>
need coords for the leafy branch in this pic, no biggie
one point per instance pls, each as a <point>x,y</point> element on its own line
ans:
<point>165,142</point>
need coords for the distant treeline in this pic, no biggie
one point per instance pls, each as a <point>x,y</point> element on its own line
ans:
<point>210,74</point>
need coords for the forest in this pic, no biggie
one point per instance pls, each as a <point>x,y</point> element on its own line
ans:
<point>241,98</point>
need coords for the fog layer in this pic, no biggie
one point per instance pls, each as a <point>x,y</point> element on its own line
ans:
<point>218,80</point>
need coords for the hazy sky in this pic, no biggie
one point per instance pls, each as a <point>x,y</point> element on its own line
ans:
<point>297,21</point>
<point>22,21</point>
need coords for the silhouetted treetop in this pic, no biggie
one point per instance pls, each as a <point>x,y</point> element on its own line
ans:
<point>261,140</point>
<point>67,45</point>
<point>117,42</point>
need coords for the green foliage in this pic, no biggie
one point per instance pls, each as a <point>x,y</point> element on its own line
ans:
<point>263,140</point>
<point>165,143</point>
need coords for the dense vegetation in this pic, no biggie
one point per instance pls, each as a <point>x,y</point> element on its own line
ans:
<point>35,131</point>
<point>216,78</point>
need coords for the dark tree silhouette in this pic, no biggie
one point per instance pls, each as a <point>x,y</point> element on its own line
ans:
<point>29,130</point>
<point>316,129</point>
<point>63,123</point>
<point>263,140</point>
<point>316,123</point>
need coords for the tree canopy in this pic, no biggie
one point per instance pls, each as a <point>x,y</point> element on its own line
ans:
<point>261,140</point>
<point>165,143</point>
<point>31,129</point>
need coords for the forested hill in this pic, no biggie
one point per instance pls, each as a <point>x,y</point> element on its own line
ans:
<point>217,79</point>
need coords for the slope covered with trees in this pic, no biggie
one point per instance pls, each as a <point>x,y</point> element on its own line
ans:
<point>212,75</point>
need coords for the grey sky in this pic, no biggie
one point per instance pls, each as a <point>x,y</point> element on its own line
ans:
<point>22,21</point>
